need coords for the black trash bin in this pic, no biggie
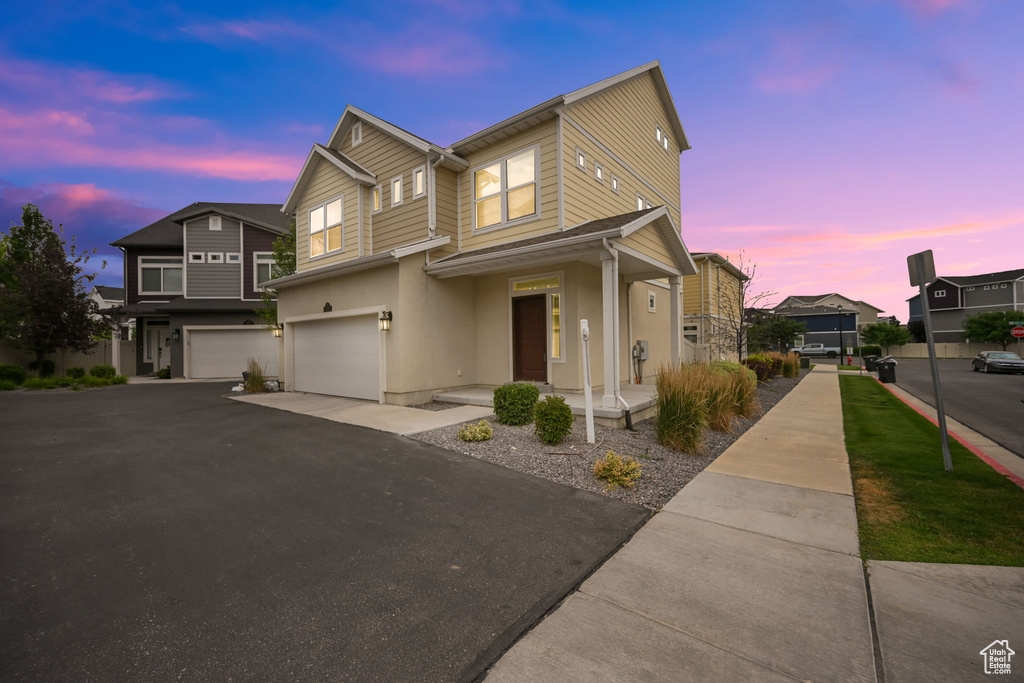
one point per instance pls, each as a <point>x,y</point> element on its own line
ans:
<point>805,362</point>
<point>870,362</point>
<point>886,370</point>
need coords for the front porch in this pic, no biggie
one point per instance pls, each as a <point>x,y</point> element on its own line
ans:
<point>641,399</point>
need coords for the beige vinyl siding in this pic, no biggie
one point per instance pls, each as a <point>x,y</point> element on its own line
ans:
<point>544,134</point>
<point>386,158</point>
<point>649,242</point>
<point>328,181</point>
<point>587,199</point>
<point>721,292</point>
<point>623,119</point>
<point>447,209</point>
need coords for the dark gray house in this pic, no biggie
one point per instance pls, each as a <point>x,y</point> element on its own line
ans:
<point>953,298</point>
<point>192,281</point>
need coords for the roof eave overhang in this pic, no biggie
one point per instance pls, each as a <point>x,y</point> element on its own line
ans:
<point>351,114</point>
<point>317,154</point>
<point>181,220</point>
<point>532,116</point>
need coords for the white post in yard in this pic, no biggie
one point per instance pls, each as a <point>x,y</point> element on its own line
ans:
<point>588,399</point>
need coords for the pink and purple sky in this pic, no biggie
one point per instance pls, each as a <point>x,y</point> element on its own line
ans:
<point>831,139</point>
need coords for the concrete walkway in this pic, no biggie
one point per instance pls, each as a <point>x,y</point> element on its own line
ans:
<point>386,418</point>
<point>752,572</point>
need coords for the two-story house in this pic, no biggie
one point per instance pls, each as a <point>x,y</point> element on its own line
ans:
<point>830,319</point>
<point>193,281</point>
<point>422,268</point>
<point>713,307</point>
<point>953,298</point>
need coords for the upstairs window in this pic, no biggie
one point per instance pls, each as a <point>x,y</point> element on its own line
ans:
<point>419,182</point>
<point>599,172</point>
<point>325,227</point>
<point>396,191</point>
<point>640,202</point>
<point>581,159</point>
<point>263,266</point>
<point>939,293</point>
<point>160,275</point>
<point>615,184</point>
<point>506,191</point>
<point>375,202</point>
<point>215,222</point>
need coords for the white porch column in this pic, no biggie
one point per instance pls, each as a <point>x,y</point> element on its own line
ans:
<point>676,317</point>
<point>610,326</point>
<point>115,348</point>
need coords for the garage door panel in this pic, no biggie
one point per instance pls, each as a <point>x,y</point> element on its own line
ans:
<point>339,357</point>
<point>226,353</point>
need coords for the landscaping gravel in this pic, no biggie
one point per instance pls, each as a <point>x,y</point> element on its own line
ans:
<point>664,471</point>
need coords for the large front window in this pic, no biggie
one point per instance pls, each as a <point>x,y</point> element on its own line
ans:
<point>325,227</point>
<point>506,191</point>
<point>263,268</point>
<point>159,275</point>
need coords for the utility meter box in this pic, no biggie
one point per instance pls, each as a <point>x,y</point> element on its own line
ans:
<point>641,350</point>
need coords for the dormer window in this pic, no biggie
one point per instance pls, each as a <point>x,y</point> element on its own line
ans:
<point>506,191</point>
<point>214,222</point>
<point>357,133</point>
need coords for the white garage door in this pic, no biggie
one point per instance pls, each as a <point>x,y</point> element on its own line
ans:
<point>225,353</point>
<point>339,356</point>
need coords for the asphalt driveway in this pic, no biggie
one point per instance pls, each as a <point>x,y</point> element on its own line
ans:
<point>987,403</point>
<point>165,533</point>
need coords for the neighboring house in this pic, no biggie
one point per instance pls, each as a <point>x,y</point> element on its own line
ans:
<point>712,306</point>
<point>825,314</point>
<point>193,281</point>
<point>953,298</point>
<point>484,256</point>
<point>107,299</point>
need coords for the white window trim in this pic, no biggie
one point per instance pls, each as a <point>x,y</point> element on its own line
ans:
<point>262,257</point>
<point>180,264</point>
<point>640,201</point>
<point>652,302</point>
<point>664,142</point>
<point>582,165</point>
<point>1002,286</point>
<point>599,173</point>
<point>147,349</point>
<point>503,191</point>
<point>658,134</point>
<point>615,183</point>
<point>939,293</point>
<point>215,257</point>
<point>233,257</point>
<point>970,289</point>
<point>401,190</point>
<point>419,169</point>
<point>309,232</point>
<point>379,189</point>
<point>216,223</point>
<point>357,133</point>
<point>200,254</point>
<point>559,290</point>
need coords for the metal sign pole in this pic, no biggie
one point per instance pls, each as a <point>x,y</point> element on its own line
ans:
<point>588,399</point>
<point>922,279</point>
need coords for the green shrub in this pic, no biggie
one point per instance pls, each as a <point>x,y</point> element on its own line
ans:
<point>7,385</point>
<point>617,471</point>
<point>682,406</point>
<point>481,431</point>
<point>791,365</point>
<point>118,379</point>
<point>44,370</point>
<point>62,381</point>
<point>776,359</point>
<point>553,418</point>
<point>12,373</point>
<point>256,379</point>
<point>744,391</point>
<point>867,350</point>
<point>727,366</point>
<point>164,373</point>
<point>514,403</point>
<point>761,366</point>
<point>40,383</point>
<point>75,373</point>
<point>103,371</point>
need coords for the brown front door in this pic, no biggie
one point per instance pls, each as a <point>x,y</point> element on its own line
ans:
<point>529,339</point>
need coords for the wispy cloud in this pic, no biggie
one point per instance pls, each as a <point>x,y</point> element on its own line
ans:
<point>69,84</point>
<point>931,8</point>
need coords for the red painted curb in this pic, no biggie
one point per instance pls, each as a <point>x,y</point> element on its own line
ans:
<point>963,442</point>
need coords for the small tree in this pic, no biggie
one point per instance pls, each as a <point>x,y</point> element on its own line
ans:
<point>284,265</point>
<point>885,334</point>
<point>992,327</point>
<point>44,305</point>
<point>917,331</point>
<point>735,301</point>
<point>774,331</point>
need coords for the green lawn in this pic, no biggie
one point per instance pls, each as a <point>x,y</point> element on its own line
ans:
<point>908,507</point>
<point>849,368</point>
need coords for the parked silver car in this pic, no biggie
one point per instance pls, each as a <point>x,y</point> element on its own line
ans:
<point>998,361</point>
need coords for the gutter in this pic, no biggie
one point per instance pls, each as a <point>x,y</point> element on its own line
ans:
<point>441,266</point>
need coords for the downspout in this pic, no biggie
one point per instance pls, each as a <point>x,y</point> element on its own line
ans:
<point>432,213</point>
<point>615,335</point>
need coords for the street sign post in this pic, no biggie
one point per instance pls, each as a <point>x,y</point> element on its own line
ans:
<point>1017,332</point>
<point>922,272</point>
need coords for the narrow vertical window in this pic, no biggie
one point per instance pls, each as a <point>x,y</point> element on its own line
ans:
<point>375,203</point>
<point>419,182</point>
<point>396,191</point>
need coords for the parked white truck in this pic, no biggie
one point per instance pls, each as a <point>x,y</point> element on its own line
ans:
<point>816,350</point>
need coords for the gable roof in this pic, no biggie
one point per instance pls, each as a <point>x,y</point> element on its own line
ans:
<point>817,298</point>
<point>318,154</point>
<point>353,114</point>
<point>795,311</point>
<point>548,110</point>
<point>970,280</point>
<point>110,293</point>
<point>167,232</point>
<point>722,261</point>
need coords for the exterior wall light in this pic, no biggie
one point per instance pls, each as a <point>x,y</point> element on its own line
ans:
<point>327,307</point>
<point>385,321</point>
<point>176,334</point>
<point>278,331</point>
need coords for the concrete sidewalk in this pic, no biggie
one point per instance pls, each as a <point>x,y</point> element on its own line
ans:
<point>386,418</point>
<point>752,572</point>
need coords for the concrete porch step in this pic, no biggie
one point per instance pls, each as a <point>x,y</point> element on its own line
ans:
<point>641,400</point>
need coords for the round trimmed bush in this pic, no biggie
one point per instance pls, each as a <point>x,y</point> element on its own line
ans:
<point>103,371</point>
<point>75,373</point>
<point>514,403</point>
<point>44,370</point>
<point>12,373</point>
<point>553,418</point>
